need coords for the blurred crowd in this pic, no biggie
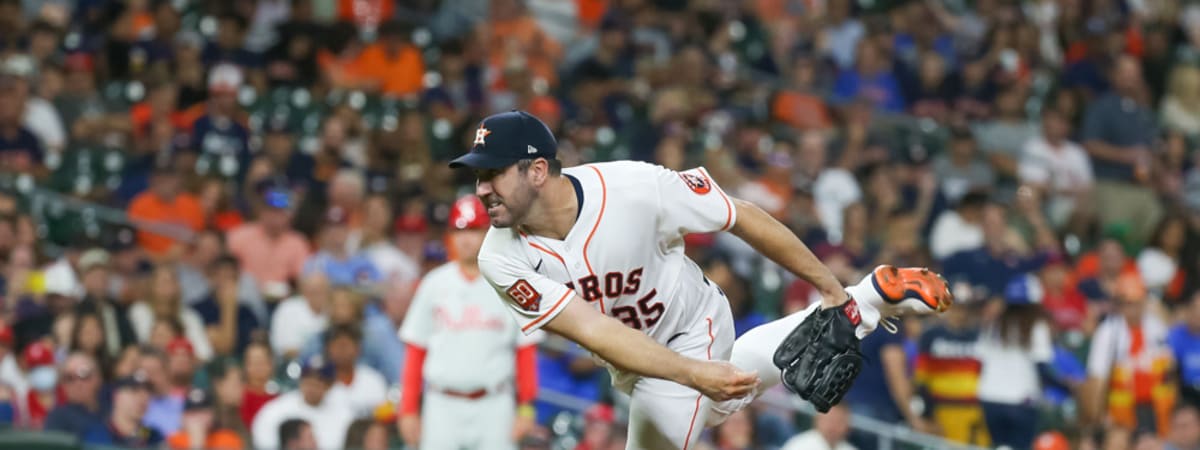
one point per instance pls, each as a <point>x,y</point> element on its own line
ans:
<point>279,166</point>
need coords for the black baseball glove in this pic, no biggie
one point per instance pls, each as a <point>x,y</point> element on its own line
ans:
<point>821,357</point>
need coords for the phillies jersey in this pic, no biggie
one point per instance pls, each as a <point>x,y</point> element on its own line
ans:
<point>469,337</point>
<point>624,255</point>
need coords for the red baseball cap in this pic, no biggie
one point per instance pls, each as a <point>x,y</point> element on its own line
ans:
<point>38,354</point>
<point>411,223</point>
<point>469,213</point>
<point>600,413</point>
<point>180,344</point>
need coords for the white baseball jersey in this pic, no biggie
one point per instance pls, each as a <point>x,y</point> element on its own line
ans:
<point>469,338</point>
<point>624,255</point>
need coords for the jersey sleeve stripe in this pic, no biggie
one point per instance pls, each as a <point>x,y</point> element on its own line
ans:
<point>728,205</point>
<point>553,309</point>
<point>599,217</point>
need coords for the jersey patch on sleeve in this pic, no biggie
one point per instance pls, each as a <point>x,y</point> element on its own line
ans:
<point>696,183</point>
<point>525,296</point>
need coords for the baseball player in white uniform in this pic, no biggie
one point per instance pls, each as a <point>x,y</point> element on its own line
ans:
<point>595,253</point>
<point>465,352</point>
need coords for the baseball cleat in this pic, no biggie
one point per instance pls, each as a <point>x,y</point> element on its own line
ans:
<point>890,291</point>
<point>910,290</point>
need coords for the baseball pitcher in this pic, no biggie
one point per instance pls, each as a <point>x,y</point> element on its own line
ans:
<point>595,253</point>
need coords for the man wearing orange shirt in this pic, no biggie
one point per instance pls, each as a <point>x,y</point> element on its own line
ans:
<point>165,214</point>
<point>392,65</point>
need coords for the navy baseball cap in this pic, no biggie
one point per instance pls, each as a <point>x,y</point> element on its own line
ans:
<point>503,139</point>
<point>316,365</point>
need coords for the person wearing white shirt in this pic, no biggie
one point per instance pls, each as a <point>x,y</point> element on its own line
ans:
<point>828,433</point>
<point>1056,166</point>
<point>1015,353</point>
<point>959,229</point>
<point>315,402</point>
<point>166,300</point>
<point>299,318</point>
<point>361,385</point>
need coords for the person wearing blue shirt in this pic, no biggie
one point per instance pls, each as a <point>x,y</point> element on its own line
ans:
<point>1184,340</point>
<point>883,389</point>
<point>871,79</point>
<point>989,268</point>
<point>566,368</point>
<point>80,381</point>
<point>123,426</point>
<point>334,260</point>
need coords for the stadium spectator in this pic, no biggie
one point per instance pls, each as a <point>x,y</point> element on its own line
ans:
<point>298,319</point>
<point>342,265</point>
<point>164,300</point>
<point>260,386</point>
<point>38,115</point>
<point>81,379</point>
<point>599,428</point>
<point>1015,352</point>
<point>228,321</point>
<point>380,345</point>
<point>194,268</point>
<point>97,299</point>
<point>42,374</point>
<point>1129,366</point>
<point>228,389</point>
<point>367,434</point>
<point>884,391</point>
<point>396,268</point>
<point>169,210</point>
<point>219,137</point>
<point>314,402</point>
<point>947,375</point>
<point>87,337</point>
<point>268,248</point>
<point>20,149</point>
<point>1118,133</point>
<point>1185,429</point>
<point>123,426</point>
<point>1184,340</point>
<point>1002,136</point>
<point>1160,261</point>
<point>165,405</point>
<point>296,434</point>
<point>361,385</point>
<point>1178,110</point>
<point>962,169</point>
<point>279,149</point>
<point>1057,167</point>
<point>200,428</point>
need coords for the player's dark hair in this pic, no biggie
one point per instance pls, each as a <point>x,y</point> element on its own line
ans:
<point>289,431</point>
<point>555,165</point>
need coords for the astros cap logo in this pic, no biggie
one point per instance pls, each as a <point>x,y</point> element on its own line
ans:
<point>480,134</point>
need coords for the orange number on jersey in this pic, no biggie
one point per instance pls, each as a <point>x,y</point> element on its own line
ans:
<point>525,295</point>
